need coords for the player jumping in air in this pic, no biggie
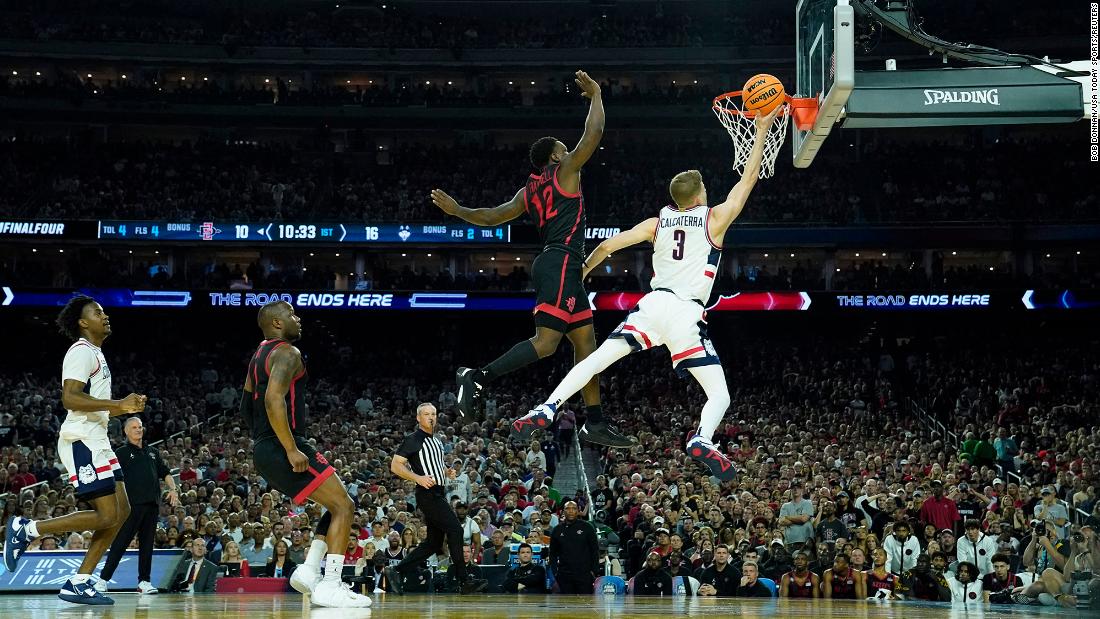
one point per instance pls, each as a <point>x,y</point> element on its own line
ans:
<point>85,450</point>
<point>553,200</point>
<point>686,239</point>
<point>273,407</point>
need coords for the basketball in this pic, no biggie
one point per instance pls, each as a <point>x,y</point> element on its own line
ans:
<point>762,93</point>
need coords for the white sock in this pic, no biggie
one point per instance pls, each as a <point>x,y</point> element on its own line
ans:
<point>80,578</point>
<point>713,381</point>
<point>32,529</point>
<point>317,550</point>
<point>609,352</point>
<point>334,567</point>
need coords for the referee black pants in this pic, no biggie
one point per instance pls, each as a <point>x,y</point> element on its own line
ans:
<point>143,522</point>
<point>442,522</point>
<point>574,583</point>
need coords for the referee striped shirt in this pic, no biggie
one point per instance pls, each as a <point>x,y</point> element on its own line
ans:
<point>425,455</point>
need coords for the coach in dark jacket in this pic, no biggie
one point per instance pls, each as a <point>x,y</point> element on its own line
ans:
<point>653,579</point>
<point>143,469</point>
<point>574,552</point>
<point>526,577</point>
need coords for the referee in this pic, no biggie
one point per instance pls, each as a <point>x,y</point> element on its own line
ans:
<point>420,459</point>
<point>143,469</point>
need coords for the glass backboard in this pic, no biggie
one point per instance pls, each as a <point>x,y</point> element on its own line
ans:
<point>825,68</point>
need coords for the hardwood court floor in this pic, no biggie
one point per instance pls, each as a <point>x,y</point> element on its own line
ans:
<point>16,606</point>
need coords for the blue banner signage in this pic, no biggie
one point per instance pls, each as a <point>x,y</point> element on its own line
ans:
<point>279,232</point>
<point>888,301</point>
<point>47,570</point>
<point>370,300</point>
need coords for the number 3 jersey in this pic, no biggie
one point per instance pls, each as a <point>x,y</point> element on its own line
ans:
<point>558,215</point>
<point>685,258</point>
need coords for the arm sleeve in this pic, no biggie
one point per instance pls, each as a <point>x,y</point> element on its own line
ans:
<point>80,365</point>
<point>408,447</point>
<point>162,468</point>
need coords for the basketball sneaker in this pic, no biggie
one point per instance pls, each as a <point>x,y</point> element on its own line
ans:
<point>304,580</point>
<point>702,450</point>
<point>469,391</point>
<point>101,585</point>
<point>603,433</point>
<point>144,586</point>
<point>538,418</point>
<point>17,542</point>
<point>83,593</point>
<point>338,594</point>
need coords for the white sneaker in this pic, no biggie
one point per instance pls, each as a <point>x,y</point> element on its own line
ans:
<point>338,594</point>
<point>99,584</point>
<point>304,580</point>
<point>147,588</point>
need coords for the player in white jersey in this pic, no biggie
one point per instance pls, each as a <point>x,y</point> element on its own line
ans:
<point>686,241</point>
<point>85,450</point>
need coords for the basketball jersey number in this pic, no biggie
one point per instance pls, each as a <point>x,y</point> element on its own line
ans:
<point>544,206</point>
<point>680,237</point>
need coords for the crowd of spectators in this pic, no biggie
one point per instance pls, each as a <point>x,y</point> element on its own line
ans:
<point>861,457</point>
<point>393,27</point>
<point>403,26</point>
<point>967,178</point>
<point>140,87</point>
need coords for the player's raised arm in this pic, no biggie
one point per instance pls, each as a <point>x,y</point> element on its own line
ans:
<point>286,361</point>
<point>725,213</point>
<point>640,233</point>
<point>481,216</point>
<point>574,160</point>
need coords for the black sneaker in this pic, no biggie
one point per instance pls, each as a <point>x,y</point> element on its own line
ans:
<point>603,433</point>
<point>474,585</point>
<point>469,392</point>
<point>1020,598</point>
<point>395,580</point>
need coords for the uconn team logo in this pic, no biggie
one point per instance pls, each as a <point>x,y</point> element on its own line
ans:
<point>86,474</point>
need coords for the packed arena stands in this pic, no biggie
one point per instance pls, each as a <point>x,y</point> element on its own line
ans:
<point>858,428</point>
<point>977,179</point>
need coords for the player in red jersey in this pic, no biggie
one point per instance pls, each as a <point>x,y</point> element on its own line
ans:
<point>800,582</point>
<point>552,198</point>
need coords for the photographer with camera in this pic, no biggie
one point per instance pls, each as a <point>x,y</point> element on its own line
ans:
<point>1045,556</point>
<point>1075,582</point>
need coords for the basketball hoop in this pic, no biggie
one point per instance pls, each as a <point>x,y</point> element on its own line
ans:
<point>741,125</point>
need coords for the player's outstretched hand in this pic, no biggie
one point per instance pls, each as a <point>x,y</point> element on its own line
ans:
<point>589,87</point>
<point>133,403</point>
<point>298,461</point>
<point>426,482</point>
<point>446,203</point>
<point>763,123</point>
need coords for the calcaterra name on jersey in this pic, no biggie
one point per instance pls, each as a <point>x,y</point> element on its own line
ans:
<point>683,221</point>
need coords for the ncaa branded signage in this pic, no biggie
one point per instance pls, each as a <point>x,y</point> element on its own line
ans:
<point>47,570</point>
<point>32,228</point>
<point>991,96</point>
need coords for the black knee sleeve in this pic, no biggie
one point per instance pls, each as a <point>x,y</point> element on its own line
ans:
<point>322,524</point>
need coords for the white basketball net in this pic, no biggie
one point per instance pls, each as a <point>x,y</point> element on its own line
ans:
<point>742,129</point>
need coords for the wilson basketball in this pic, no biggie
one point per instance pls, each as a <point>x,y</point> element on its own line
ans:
<point>762,93</point>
